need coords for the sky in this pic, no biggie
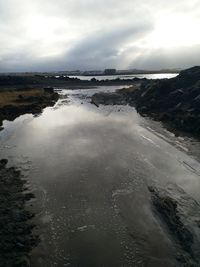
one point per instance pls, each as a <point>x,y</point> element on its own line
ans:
<point>49,35</point>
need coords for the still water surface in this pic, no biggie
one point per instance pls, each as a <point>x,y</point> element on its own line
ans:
<point>89,168</point>
<point>130,76</point>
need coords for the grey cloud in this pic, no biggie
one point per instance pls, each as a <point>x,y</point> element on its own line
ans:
<point>171,58</point>
<point>91,34</point>
<point>102,48</point>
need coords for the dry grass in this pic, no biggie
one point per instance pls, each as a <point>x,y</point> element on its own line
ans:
<point>11,97</point>
<point>129,89</point>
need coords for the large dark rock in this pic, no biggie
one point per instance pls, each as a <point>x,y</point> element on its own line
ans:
<point>175,101</point>
<point>188,77</point>
<point>108,99</point>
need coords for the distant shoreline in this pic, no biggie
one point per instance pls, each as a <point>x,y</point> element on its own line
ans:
<point>88,73</point>
<point>60,81</point>
<point>129,73</point>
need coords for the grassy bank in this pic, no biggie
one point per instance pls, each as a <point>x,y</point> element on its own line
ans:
<point>14,103</point>
<point>16,98</point>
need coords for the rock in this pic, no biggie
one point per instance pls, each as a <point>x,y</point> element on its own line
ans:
<point>175,101</point>
<point>143,109</point>
<point>108,99</point>
<point>178,212</point>
<point>197,99</point>
<point>188,77</point>
<point>3,163</point>
<point>49,90</point>
<point>16,232</point>
<point>177,92</point>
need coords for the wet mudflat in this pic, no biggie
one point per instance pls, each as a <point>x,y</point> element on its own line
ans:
<point>91,169</point>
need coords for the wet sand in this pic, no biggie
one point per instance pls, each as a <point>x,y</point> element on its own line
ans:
<point>90,169</point>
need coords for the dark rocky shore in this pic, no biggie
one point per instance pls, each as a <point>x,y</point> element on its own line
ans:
<point>16,232</point>
<point>174,101</point>
<point>16,237</point>
<point>61,82</point>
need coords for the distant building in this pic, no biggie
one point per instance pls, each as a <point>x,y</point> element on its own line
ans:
<point>110,71</point>
<point>92,73</point>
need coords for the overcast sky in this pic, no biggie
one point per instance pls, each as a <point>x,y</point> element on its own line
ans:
<point>46,35</point>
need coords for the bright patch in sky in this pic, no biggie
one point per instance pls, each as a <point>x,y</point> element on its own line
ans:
<point>175,30</point>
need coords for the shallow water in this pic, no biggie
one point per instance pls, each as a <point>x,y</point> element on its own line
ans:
<point>89,168</point>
